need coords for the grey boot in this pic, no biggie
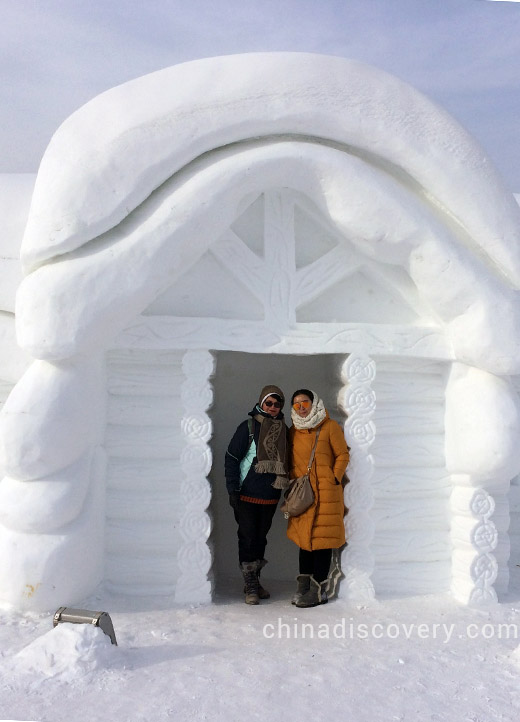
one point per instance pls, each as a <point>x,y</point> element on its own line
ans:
<point>304,583</point>
<point>251,584</point>
<point>262,593</point>
<point>316,594</point>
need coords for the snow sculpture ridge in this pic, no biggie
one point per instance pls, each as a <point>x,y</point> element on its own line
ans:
<point>351,103</point>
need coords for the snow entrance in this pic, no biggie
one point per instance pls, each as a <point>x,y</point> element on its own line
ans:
<point>238,380</point>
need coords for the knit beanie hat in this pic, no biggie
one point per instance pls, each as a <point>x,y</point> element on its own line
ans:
<point>271,391</point>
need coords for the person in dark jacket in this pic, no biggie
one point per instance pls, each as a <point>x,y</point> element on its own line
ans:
<point>256,466</point>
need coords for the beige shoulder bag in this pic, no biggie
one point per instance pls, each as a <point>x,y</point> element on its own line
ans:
<point>299,496</point>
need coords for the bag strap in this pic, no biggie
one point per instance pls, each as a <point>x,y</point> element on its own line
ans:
<point>313,451</point>
<point>251,432</point>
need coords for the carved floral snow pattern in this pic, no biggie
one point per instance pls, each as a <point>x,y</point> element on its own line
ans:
<point>357,400</point>
<point>194,555</point>
<point>475,539</point>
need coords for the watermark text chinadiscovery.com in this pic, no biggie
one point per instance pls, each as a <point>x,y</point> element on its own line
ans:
<point>349,629</point>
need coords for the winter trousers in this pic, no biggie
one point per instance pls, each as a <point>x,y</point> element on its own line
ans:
<point>254,521</point>
<point>316,563</point>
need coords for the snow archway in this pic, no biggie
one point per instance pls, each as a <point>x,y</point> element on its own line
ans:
<point>124,212</point>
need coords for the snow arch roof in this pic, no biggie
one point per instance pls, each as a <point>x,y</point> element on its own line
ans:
<point>193,132</point>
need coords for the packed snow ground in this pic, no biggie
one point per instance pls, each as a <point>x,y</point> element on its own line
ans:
<point>416,659</point>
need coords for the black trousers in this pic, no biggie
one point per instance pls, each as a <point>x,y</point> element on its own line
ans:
<point>316,563</point>
<point>254,521</point>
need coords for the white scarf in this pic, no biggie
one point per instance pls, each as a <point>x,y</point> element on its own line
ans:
<point>317,415</point>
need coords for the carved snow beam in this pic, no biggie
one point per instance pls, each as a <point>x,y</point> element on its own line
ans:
<point>241,262</point>
<point>168,332</point>
<point>279,254</point>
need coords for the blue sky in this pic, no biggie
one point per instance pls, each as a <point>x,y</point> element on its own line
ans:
<point>55,55</point>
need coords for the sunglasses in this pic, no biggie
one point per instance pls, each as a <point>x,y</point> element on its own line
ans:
<point>302,405</point>
<point>276,404</point>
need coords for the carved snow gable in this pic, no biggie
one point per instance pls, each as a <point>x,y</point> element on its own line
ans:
<point>324,278</point>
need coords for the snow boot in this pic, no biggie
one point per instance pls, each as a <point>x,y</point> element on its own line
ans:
<point>251,584</point>
<point>304,584</point>
<point>316,594</point>
<point>262,593</point>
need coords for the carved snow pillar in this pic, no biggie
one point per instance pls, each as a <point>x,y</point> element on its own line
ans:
<point>194,556</point>
<point>482,431</point>
<point>357,400</point>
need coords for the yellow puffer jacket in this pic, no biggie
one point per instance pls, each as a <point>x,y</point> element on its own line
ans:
<point>321,526</point>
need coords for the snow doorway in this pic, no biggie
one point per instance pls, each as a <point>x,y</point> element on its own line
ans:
<point>239,377</point>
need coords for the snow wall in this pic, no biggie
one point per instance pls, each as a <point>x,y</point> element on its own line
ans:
<point>188,223</point>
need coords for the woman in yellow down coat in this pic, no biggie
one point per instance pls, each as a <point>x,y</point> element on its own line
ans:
<point>320,529</point>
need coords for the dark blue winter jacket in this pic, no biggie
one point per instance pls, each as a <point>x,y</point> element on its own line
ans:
<point>255,485</point>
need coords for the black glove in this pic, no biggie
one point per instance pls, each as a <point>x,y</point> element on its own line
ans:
<point>234,499</point>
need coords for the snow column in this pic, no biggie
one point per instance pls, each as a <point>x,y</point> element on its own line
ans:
<point>357,400</point>
<point>194,556</point>
<point>482,431</point>
<point>52,500</point>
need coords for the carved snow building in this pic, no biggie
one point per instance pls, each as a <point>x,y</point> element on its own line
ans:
<point>268,218</point>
